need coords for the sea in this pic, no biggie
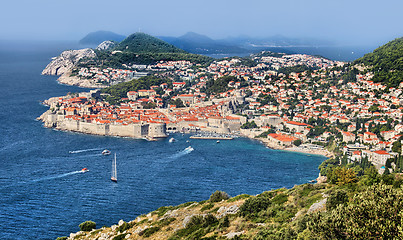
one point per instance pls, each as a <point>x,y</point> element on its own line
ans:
<point>43,193</point>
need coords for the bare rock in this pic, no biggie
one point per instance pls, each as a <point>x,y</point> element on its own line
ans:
<point>320,205</point>
<point>105,45</point>
<point>231,235</point>
<point>223,211</point>
<point>67,60</point>
<point>121,222</point>
<point>321,179</point>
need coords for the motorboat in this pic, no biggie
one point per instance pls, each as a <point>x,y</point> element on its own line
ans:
<point>172,140</point>
<point>106,152</point>
<point>84,170</point>
<point>114,177</point>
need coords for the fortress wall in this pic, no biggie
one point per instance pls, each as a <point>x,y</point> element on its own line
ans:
<point>90,128</point>
<point>157,130</point>
<point>122,130</point>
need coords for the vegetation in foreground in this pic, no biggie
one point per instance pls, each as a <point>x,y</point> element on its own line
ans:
<point>347,207</point>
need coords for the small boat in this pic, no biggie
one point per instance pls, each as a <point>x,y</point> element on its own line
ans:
<point>114,177</point>
<point>106,152</point>
<point>218,141</point>
<point>84,170</point>
<point>172,140</point>
<point>189,148</point>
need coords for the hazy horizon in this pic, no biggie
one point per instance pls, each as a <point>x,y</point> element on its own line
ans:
<point>341,22</point>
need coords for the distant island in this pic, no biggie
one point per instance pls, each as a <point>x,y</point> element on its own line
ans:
<point>96,38</point>
<point>350,112</point>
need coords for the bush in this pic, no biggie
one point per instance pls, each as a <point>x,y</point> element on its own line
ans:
<point>297,142</point>
<point>336,198</point>
<point>125,226</point>
<point>217,196</point>
<point>149,231</point>
<point>341,176</point>
<point>119,237</point>
<point>61,238</point>
<point>373,214</point>
<point>87,226</point>
<point>207,207</point>
<point>252,206</point>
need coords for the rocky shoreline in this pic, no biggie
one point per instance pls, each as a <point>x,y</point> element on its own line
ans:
<point>67,79</point>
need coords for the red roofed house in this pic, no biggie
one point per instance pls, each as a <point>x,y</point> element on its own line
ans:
<point>348,137</point>
<point>132,95</point>
<point>379,157</point>
<point>281,139</point>
<point>299,127</point>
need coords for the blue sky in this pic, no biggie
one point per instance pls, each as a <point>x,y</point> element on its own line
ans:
<point>342,21</point>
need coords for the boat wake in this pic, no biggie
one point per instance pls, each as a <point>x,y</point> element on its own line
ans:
<point>85,150</point>
<point>183,152</point>
<point>58,176</point>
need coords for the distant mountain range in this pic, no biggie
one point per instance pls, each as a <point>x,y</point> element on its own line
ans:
<point>98,37</point>
<point>201,44</point>
<point>197,43</point>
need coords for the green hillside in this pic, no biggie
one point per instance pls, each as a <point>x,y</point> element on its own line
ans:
<point>386,62</point>
<point>144,43</point>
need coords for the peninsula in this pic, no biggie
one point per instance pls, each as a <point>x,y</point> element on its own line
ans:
<point>350,112</point>
<point>293,102</point>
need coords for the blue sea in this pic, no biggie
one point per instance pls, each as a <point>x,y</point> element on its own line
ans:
<point>43,194</point>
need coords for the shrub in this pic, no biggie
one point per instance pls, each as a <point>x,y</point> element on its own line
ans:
<point>242,196</point>
<point>149,231</point>
<point>165,222</point>
<point>225,222</point>
<point>61,238</point>
<point>87,226</point>
<point>373,214</point>
<point>297,142</point>
<point>119,237</point>
<point>125,226</point>
<point>252,206</point>
<point>218,196</point>
<point>207,207</point>
<point>341,176</point>
<point>336,198</point>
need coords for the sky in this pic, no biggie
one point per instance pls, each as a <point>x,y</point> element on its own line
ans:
<point>345,22</point>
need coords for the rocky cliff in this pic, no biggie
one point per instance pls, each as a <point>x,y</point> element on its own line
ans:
<point>105,45</point>
<point>67,60</point>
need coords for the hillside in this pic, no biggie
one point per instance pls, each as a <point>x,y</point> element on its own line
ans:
<point>386,62</point>
<point>95,38</point>
<point>370,208</point>
<point>144,43</point>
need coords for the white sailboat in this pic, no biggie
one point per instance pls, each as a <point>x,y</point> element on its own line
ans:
<point>114,177</point>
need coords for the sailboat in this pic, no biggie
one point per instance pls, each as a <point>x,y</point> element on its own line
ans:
<point>114,177</point>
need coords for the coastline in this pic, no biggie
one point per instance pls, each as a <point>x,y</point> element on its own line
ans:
<point>322,152</point>
<point>66,79</point>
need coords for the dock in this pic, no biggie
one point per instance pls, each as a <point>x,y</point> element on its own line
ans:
<point>212,136</point>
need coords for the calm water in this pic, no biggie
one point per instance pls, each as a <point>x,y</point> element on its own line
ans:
<point>43,196</point>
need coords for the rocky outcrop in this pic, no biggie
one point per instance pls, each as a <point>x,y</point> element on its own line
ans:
<point>65,62</point>
<point>105,45</point>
